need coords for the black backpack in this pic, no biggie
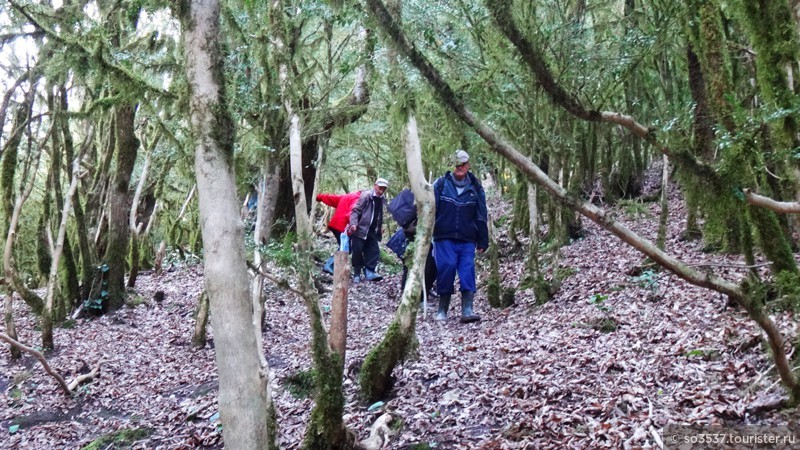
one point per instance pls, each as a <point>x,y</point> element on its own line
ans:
<point>402,208</point>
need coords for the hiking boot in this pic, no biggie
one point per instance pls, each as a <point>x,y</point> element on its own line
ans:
<point>356,274</point>
<point>369,275</point>
<point>467,316</point>
<point>328,266</point>
<point>444,305</point>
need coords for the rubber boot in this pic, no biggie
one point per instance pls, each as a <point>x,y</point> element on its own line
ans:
<point>369,275</point>
<point>356,274</point>
<point>467,316</point>
<point>444,305</point>
<point>328,266</point>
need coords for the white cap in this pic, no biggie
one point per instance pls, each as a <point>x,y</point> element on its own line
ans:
<point>460,157</point>
<point>382,182</point>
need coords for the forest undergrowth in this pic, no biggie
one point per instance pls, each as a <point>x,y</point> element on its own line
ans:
<point>620,351</point>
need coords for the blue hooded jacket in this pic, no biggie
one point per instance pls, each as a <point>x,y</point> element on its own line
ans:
<point>460,217</point>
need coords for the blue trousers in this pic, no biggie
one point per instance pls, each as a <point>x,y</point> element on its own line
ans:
<point>454,257</point>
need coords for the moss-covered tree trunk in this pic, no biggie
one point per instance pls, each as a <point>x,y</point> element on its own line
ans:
<point>400,338</point>
<point>8,321</point>
<point>199,339</point>
<point>12,203</point>
<point>243,377</point>
<point>375,378</point>
<point>326,429</point>
<point>52,283</point>
<point>116,253</point>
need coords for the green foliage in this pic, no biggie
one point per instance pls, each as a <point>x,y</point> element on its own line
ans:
<point>302,384</point>
<point>134,301</point>
<point>648,280</point>
<point>635,209</point>
<point>606,323</point>
<point>422,446</point>
<point>788,290</point>
<point>124,438</point>
<point>598,301</point>
<point>283,252</point>
<point>707,354</point>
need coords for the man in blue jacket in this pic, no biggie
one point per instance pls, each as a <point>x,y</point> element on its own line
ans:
<point>459,231</point>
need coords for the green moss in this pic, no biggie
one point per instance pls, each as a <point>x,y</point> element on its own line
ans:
<point>125,438</point>
<point>773,241</point>
<point>375,377</point>
<point>302,384</point>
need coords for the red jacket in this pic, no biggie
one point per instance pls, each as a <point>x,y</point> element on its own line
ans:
<point>343,204</point>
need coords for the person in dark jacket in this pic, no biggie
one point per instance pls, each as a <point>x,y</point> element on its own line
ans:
<point>404,211</point>
<point>460,229</point>
<point>366,221</point>
<point>340,220</point>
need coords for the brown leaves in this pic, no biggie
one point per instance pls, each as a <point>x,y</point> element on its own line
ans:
<point>525,377</point>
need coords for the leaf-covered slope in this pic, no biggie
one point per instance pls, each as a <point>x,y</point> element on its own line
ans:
<point>525,377</point>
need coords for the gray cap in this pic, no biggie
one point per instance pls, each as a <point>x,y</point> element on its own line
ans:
<point>382,182</point>
<point>460,157</point>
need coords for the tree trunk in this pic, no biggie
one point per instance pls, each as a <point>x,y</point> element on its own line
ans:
<point>200,321</point>
<point>8,319</point>
<point>31,298</point>
<point>661,240</point>
<point>118,210</point>
<point>400,338</point>
<point>243,379</point>
<point>133,224</point>
<point>47,316</point>
<point>341,285</point>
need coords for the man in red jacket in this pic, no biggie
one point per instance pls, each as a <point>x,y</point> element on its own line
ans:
<point>341,217</point>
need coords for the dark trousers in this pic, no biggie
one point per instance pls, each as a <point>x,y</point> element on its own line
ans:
<point>338,236</point>
<point>366,252</point>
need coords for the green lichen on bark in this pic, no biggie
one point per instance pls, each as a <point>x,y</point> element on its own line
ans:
<point>375,376</point>
<point>773,242</point>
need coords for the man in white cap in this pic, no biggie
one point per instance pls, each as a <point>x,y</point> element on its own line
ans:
<point>366,221</point>
<point>460,229</point>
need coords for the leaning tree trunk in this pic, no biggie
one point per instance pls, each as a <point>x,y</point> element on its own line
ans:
<point>47,317</point>
<point>375,377</point>
<point>31,298</point>
<point>243,378</point>
<point>134,226</point>
<point>8,320</point>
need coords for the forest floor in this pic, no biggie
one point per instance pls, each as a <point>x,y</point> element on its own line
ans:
<point>525,377</point>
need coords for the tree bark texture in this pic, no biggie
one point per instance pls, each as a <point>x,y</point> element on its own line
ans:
<point>118,210</point>
<point>375,378</point>
<point>48,316</point>
<point>243,398</point>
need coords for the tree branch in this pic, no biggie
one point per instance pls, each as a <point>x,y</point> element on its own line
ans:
<point>768,203</point>
<point>281,282</point>
<point>99,56</point>
<point>38,355</point>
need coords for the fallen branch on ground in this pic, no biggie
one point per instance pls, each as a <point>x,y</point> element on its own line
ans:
<point>85,377</point>
<point>67,388</point>
<point>379,434</point>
